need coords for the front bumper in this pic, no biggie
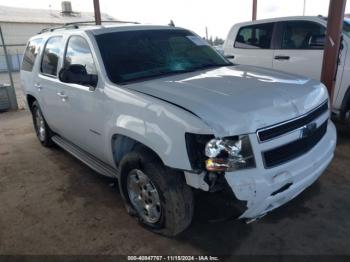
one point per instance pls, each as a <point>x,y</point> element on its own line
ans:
<point>266,189</point>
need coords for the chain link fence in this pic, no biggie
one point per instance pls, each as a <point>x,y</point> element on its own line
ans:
<point>10,65</point>
<point>14,53</point>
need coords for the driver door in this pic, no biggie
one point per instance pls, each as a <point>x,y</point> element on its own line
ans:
<point>82,105</point>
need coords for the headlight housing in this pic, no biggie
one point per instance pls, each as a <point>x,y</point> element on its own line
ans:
<point>229,154</point>
<point>220,154</point>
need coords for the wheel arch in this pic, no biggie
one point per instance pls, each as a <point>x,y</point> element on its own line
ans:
<point>30,100</point>
<point>122,145</point>
<point>169,146</point>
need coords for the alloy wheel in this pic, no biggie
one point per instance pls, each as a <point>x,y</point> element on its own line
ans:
<point>40,125</point>
<point>144,196</point>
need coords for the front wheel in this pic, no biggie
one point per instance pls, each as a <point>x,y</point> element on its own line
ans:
<point>144,196</point>
<point>158,196</point>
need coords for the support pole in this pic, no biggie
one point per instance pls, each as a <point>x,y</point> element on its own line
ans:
<point>255,6</point>
<point>11,91</point>
<point>97,12</point>
<point>332,44</point>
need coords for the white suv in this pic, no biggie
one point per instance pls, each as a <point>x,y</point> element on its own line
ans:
<point>293,45</point>
<point>160,110</point>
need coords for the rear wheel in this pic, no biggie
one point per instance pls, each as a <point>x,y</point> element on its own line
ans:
<point>158,196</point>
<point>42,130</point>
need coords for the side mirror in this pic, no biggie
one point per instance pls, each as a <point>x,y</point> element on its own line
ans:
<point>77,74</point>
<point>317,41</point>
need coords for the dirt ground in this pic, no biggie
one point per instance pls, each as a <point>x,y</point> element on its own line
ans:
<point>50,203</point>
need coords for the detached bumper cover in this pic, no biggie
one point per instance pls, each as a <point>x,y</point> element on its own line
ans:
<point>267,189</point>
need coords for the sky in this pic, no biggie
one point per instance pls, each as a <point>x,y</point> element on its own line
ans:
<point>218,16</point>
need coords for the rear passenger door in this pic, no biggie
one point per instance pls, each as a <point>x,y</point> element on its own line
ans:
<point>47,84</point>
<point>30,65</point>
<point>253,45</point>
<point>299,48</point>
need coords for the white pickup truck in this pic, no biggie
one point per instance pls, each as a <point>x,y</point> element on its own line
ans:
<point>164,113</point>
<point>293,45</point>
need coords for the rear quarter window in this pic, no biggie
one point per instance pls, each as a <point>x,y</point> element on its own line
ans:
<point>254,37</point>
<point>30,54</point>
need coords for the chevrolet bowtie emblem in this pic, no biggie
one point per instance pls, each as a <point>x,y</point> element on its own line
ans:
<point>308,130</point>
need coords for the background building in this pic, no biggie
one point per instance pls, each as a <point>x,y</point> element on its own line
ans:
<point>19,24</point>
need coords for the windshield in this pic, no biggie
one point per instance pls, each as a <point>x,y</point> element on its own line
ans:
<point>143,54</point>
<point>346,27</point>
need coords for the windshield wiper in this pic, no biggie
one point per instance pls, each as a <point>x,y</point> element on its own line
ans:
<point>201,67</point>
<point>212,65</point>
<point>153,76</point>
<point>169,73</point>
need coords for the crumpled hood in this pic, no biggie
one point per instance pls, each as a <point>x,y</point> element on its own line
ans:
<point>238,99</point>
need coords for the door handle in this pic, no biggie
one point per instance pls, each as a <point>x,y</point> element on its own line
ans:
<point>38,86</point>
<point>282,57</point>
<point>62,96</point>
<point>230,56</point>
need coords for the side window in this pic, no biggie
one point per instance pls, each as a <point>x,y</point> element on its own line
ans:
<point>79,53</point>
<point>52,52</point>
<point>30,54</point>
<point>302,35</point>
<point>255,36</point>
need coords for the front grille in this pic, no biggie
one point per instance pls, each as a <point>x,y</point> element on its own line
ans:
<point>290,151</point>
<point>284,128</point>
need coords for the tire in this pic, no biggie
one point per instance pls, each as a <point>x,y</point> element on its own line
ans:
<point>345,108</point>
<point>175,196</point>
<point>41,128</point>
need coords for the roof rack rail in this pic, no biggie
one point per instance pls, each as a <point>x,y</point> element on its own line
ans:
<point>77,24</point>
<point>103,21</point>
<point>50,29</point>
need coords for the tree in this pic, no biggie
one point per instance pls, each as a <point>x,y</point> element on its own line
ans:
<point>218,41</point>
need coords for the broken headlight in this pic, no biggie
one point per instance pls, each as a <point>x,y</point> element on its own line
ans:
<point>229,154</point>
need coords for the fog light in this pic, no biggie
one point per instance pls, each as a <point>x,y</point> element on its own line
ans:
<point>215,164</point>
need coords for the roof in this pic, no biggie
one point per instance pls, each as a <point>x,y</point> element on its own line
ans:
<point>130,27</point>
<point>286,18</point>
<point>111,27</point>
<point>45,16</point>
